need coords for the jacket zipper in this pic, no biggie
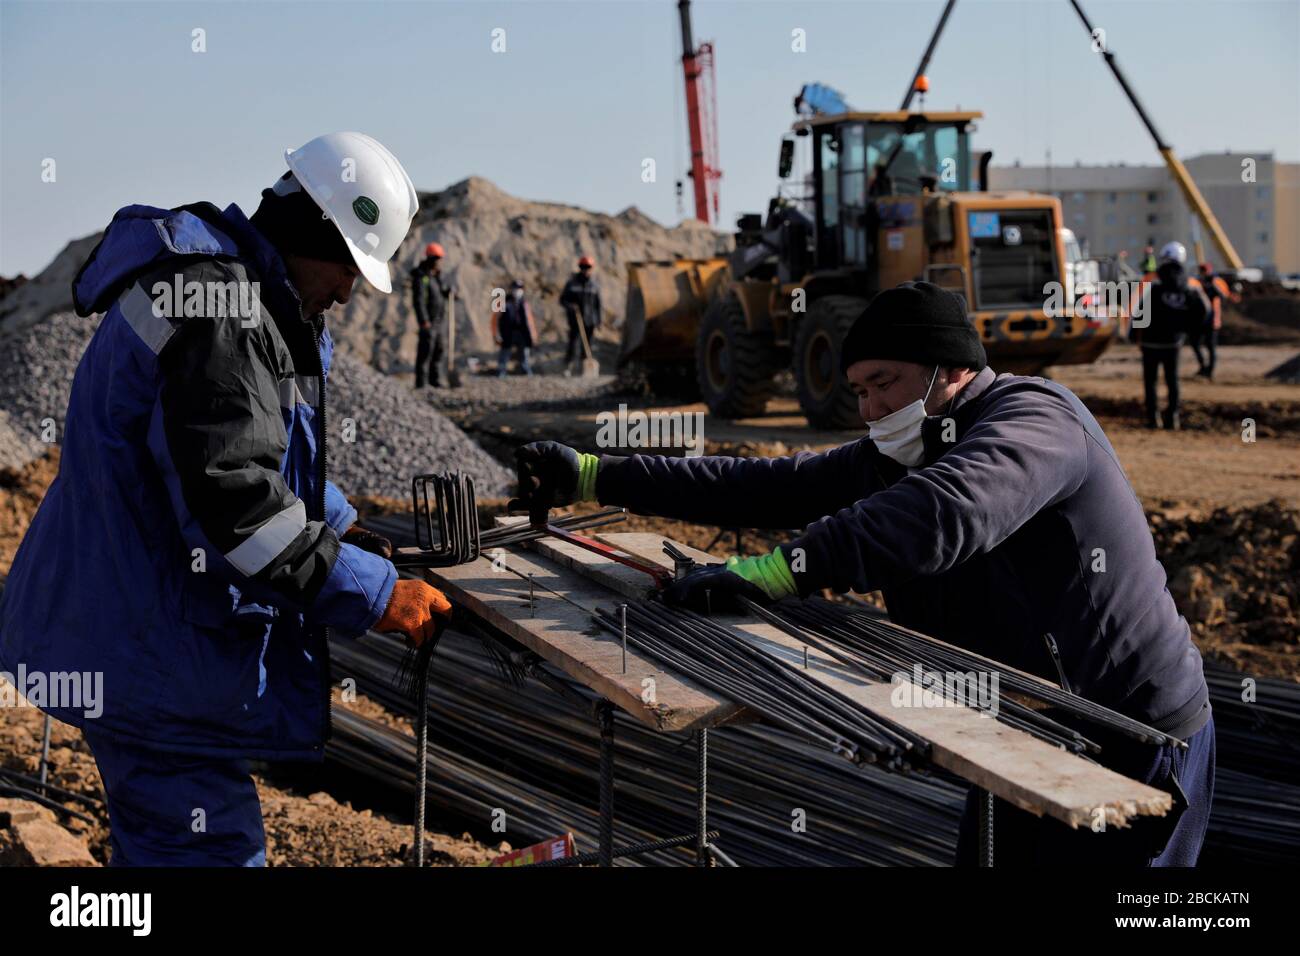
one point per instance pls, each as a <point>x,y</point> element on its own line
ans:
<point>326,723</point>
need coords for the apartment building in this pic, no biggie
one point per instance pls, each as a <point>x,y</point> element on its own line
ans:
<point>1121,208</point>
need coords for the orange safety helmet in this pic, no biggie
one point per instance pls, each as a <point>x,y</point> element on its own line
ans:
<point>586,261</point>
<point>434,250</point>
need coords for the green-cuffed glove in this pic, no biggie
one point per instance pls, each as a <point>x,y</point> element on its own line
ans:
<point>715,587</point>
<point>588,465</point>
<point>769,571</point>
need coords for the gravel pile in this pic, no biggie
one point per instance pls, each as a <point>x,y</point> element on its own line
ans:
<point>17,448</point>
<point>36,370</point>
<point>397,434</point>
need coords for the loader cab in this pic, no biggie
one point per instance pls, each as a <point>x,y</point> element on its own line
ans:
<point>865,165</point>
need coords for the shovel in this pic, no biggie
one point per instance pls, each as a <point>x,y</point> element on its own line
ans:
<point>590,367</point>
<point>453,373</point>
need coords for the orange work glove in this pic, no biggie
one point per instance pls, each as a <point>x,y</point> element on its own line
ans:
<point>417,610</point>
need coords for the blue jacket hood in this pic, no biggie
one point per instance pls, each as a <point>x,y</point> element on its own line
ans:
<point>143,237</point>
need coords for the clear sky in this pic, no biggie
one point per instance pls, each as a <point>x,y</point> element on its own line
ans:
<point>584,92</point>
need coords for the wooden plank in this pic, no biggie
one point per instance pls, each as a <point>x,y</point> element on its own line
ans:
<point>1019,768</point>
<point>566,636</point>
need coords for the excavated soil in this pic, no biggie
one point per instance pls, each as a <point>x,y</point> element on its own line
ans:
<point>302,828</point>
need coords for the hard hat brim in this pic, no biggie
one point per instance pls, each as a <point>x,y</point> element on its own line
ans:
<point>377,273</point>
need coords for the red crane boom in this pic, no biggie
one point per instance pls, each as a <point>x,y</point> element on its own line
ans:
<point>701,118</point>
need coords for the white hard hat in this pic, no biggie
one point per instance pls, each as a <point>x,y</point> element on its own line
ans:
<point>1173,252</point>
<point>364,191</point>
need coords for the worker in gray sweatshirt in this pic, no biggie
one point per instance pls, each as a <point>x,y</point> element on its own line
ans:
<point>992,512</point>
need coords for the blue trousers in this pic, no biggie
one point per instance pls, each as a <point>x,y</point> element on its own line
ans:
<point>176,809</point>
<point>503,360</point>
<point>1022,839</point>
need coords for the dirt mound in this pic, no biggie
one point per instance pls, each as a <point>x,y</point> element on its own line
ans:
<point>1288,371</point>
<point>1272,417</point>
<point>1267,313</point>
<point>1235,574</point>
<point>32,300</point>
<point>490,237</point>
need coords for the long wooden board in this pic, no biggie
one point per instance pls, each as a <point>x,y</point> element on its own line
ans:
<point>566,636</point>
<point>1021,769</point>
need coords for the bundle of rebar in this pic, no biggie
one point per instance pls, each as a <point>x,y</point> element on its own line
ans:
<point>881,650</point>
<point>533,753</point>
<point>1255,815</point>
<point>1257,723</point>
<point>717,657</point>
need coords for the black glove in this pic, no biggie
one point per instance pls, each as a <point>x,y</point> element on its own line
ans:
<point>723,586</point>
<point>368,541</point>
<point>548,475</point>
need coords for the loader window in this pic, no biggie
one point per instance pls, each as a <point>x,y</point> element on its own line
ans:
<point>853,195</point>
<point>828,214</point>
<point>939,151</point>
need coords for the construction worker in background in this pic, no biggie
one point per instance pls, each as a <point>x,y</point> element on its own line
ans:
<point>1217,293</point>
<point>513,328</point>
<point>581,301</point>
<point>206,548</point>
<point>429,295</point>
<point>1177,306</point>
<point>979,504</point>
<point>1149,262</point>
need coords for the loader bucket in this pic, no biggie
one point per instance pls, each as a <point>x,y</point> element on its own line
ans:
<point>665,301</point>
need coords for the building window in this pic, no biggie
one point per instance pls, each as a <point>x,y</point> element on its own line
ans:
<point>1153,197</point>
<point>1152,219</point>
<point>1265,193</point>
<point>1110,219</point>
<point>1262,237</point>
<point>1080,219</point>
<point>1078,197</point>
<point>1261,215</point>
<point>1112,198</point>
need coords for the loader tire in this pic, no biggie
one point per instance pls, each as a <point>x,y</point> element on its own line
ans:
<point>735,368</point>
<point>824,396</point>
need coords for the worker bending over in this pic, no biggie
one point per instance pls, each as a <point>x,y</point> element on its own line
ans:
<point>191,549</point>
<point>992,513</point>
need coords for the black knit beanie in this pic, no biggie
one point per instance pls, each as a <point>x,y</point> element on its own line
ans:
<point>915,322</point>
<point>293,223</point>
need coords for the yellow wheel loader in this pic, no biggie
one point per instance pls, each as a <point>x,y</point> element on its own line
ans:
<point>887,197</point>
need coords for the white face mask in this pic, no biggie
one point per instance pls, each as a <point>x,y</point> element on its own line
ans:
<point>898,434</point>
